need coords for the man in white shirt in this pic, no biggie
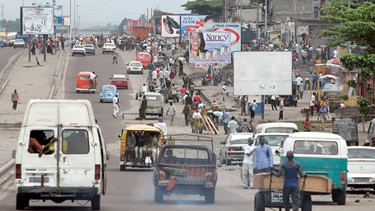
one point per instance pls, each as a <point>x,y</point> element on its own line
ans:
<point>92,78</point>
<point>299,82</point>
<point>116,107</point>
<point>247,165</point>
<point>232,125</point>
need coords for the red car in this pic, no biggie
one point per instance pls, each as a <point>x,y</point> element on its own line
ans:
<point>119,80</point>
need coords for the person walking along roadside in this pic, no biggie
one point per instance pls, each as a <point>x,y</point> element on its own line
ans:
<point>247,165</point>
<point>15,98</point>
<point>291,169</point>
<point>116,106</point>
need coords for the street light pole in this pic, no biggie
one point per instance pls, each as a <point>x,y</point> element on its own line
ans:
<point>74,22</point>
<point>257,25</point>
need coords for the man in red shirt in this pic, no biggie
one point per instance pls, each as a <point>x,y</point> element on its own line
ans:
<point>209,79</point>
<point>197,98</point>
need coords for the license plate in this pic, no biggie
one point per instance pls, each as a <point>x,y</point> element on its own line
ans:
<point>277,196</point>
<point>361,180</point>
<point>38,179</point>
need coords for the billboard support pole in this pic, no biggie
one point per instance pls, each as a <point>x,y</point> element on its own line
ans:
<point>45,47</point>
<point>262,107</point>
<point>29,42</point>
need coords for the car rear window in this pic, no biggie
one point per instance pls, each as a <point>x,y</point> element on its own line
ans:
<point>279,130</point>
<point>315,147</point>
<point>239,141</point>
<point>109,88</point>
<point>361,153</point>
<point>153,98</point>
<point>84,77</point>
<point>136,64</point>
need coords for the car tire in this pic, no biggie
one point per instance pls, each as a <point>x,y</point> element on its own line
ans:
<point>95,202</point>
<point>339,197</point>
<point>228,162</point>
<point>122,168</point>
<point>221,158</point>
<point>72,54</point>
<point>100,101</point>
<point>136,96</point>
<point>21,202</point>
<point>209,197</point>
<point>126,87</point>
<point>306,203</point>
<point>259,203</point>
<point>158,195</point>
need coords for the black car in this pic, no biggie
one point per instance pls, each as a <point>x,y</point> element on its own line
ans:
<point>290,100</point>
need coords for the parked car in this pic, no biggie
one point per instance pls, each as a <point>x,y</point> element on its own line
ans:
<point>79,49</point>
<point>361,167</point>
<point>231,149</point>
<point>2,44</point>
<point>134,67</point>
<point>290,100</point>
<point>108,92</point>
<point>90,49</point>
<point>275,141</point>
<point>119,80</point>
<point>109,47</point>
<point>19,43</point>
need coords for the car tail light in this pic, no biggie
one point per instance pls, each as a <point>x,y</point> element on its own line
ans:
<point>97,172</point>
<point>343,177</point>
<point>18,171</point>
<point>231,149</point>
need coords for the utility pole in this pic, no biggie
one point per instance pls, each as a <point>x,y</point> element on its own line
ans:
<point>257,24</point>
<point>265,21</point>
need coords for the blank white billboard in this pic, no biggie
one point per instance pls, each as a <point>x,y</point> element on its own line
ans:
<point>262,73</point>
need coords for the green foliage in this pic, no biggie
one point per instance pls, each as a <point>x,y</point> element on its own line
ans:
<point>364,105</point>
<point>345,97</point>
<point>205,7</point>
<point>11,26</point>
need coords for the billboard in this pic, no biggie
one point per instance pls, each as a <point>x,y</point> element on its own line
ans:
<point>170,25</point>
<point>66,20</point>
<point>60,29</point>
<point>209,47</point>
<point>58,13</point>
<point>37,20</point>
<point>233,28</point>
<point>262,73</point>
<point>190,23</point>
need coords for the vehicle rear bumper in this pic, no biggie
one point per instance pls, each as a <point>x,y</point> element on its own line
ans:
<point>76,193</point>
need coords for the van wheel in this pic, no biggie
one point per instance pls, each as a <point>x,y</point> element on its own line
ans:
<point>221,158</point>
<point>21,202</point>
<point>228,162</point>
<point>306,203</point>
<point>136,96</point>
<point>210,196</point>
<point>158,195</point>
<point>95,202</point>
<point>122,168</point>
<point>259,203</point>
<point>339,196</point>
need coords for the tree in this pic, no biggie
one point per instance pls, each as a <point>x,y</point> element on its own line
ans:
<point>357,26</point>
<point>205,7</point>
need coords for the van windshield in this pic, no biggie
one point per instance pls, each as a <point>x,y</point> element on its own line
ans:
<point>279,130</point>
<point>315,147</point>
<point>75,141</point>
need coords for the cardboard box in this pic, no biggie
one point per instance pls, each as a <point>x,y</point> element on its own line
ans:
<point>313,183</point>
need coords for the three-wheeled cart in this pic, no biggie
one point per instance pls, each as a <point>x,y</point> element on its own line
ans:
<point>270,193</point>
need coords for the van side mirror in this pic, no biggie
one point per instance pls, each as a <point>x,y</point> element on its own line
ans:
<point>107,154</point>
<point>277,152</point>
<point>14,154</point>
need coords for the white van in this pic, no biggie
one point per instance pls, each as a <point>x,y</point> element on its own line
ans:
<point>73,166</point>
<point>276,127</point>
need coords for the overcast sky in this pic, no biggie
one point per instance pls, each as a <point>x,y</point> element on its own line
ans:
<point>99,12</point>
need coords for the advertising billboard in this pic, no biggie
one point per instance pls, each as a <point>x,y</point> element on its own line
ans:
<point>233,28</point>
<point>209,47</point>
<point>170,25</point>
<point>190,23</point>
<point>58,13</point>
<point>37,20</point>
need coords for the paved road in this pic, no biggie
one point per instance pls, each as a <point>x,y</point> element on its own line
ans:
<point>135,189</point>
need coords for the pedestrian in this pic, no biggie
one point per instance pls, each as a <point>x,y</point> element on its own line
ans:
<point>62,40</point>
<point>226,119</point>
<point>15,98</point>
<point>306,124</point>
<point>243,104</point>
<point>171,112</point>
<point>313,104</point>
<point>197,98</point>
<point>161,77</point>
<point>253,107</point>
<point>224,93</point>
<point>291,170</point>
<point>247,165</point>
<point>281,112</point>
<point>246,127</point>
<point>173,49</point>
<point>197,118</point>
<point>116,106</point>
<point>263,158</point>
<point>92,80</point>
<point>232,125</point>
<point>273,102</point>
<point>186,111</point>
<point>323,115</point>
<point>142,108</point>
<point>174,93</point>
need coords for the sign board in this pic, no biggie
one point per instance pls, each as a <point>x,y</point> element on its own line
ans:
<point>190,23</point>
<point>233,28</point>
<point>347,128</point>
<point>170,25</point>
<point>61,29</point>
<point>58,13</point>
<point>262,73</point>
<point>37,20</point>
<point>209,47</point>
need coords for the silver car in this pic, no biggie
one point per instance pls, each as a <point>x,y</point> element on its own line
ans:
<point>231,150</point>
<point>19,43</point>
<point>90,49</point>
<point>134,67</point>
<point>361,167</point>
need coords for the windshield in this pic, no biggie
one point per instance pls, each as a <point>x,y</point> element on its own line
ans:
<point>361,153</point>
<point>272,140</point>
<point>136,64</point>
<point>279,130</point>
<point>109,88</point>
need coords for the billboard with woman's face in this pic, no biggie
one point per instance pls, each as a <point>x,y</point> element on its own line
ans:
<point>209,47</point>
<point>190,23</point>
